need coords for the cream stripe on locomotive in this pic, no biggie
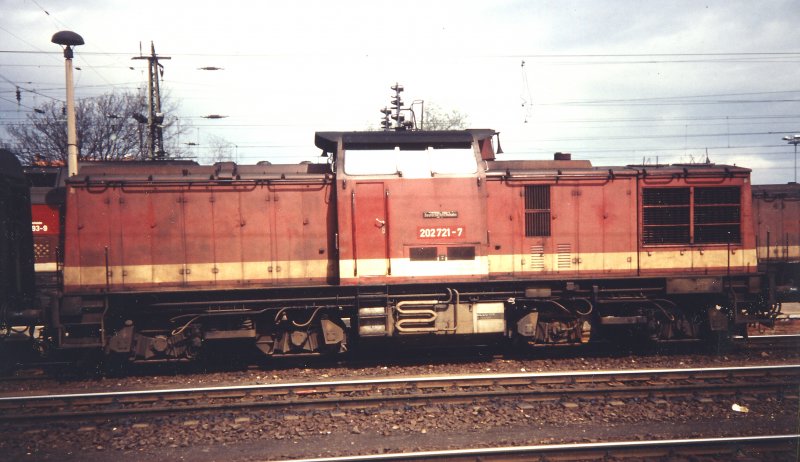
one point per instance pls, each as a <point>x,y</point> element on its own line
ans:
<point>236,273</point>
<point>780,252</point>
<point>697,258</point>
<point>614,262</point>
<point>564,261</point>
<point>554,263</point>
<point>228,273</point>
<point>43,267</point>
<point>404,267</point>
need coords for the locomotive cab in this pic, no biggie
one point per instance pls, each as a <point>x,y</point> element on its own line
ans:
<point>412,214</point>
<point>411,205</point>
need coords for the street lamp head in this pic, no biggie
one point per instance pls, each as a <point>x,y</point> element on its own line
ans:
<point>792,139</point>
<point>67,39</point>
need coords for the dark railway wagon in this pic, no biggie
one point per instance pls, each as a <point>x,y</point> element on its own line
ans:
<point>16,246</point>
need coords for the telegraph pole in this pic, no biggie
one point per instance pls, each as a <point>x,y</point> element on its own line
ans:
<point>155,118</point>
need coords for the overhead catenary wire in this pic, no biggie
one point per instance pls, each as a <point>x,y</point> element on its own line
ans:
<point>18,104</point>
<point>47,13</point>
<point>525,95</point>
<point>60,24</point>
<point>589,58</point>
<point>29,90</point>
<point>26,42</point>
<point>715,102</point>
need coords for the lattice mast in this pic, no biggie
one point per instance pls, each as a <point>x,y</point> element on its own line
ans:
<point>155,118</point>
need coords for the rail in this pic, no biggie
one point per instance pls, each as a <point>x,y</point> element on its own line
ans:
<point>620,450</point>
<point>544,386</point>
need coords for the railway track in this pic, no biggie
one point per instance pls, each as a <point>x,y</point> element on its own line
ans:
<point>762,448</point>
<point>654,384</point>
<point>782,341</point>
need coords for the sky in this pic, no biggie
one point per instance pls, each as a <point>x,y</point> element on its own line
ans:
<point>614,82</point>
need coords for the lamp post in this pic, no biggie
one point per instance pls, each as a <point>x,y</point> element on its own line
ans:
<point>69,39</point>
<point>795,139</point>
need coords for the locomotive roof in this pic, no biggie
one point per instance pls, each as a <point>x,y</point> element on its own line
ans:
<point>191,171</point>
<point>578,168</point>
<point>790,190</point>
<point>536,164</point>
<point>686,169</point>
<point>421,139</point>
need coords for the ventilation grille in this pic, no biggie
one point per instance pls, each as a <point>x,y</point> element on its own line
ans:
<point>43,252</point>
<point>717,215</point>
<point>691,215</point>
<point>537,258</point>
<point>564,256</point>
<point>537,211</point>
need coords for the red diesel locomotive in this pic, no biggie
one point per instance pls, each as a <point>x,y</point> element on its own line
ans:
<point>405,235</point>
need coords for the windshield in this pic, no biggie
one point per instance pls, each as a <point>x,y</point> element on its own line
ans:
<point>411,163</point>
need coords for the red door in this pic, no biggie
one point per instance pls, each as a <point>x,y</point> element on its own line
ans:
<point>370,230</point>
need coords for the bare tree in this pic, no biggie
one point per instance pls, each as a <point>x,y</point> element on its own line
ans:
<point>219,149</point>
<point>436,118</point>
<point>105,127</point>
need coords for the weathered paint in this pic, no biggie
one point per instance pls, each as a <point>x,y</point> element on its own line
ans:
<point>144,234</point>
<point>776,216</point>
<point>209,274</point>
<point>592,229</point>
<point>364,229</point>
<point>382,217</point>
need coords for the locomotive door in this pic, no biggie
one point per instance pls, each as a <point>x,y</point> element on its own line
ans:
<point>546,240</point>
<point>257,221</point>
<point>619,227</point>
<point>370,229</point>
<point>290,244</point>
<point>592,231</point>
<point>566,228</point>
<point>137,228</point>
<point>605,231</point>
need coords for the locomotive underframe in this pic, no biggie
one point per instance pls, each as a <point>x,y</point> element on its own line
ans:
<point>178,325</point>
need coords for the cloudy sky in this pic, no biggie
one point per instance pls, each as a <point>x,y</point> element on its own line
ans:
<point>616,82</point>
